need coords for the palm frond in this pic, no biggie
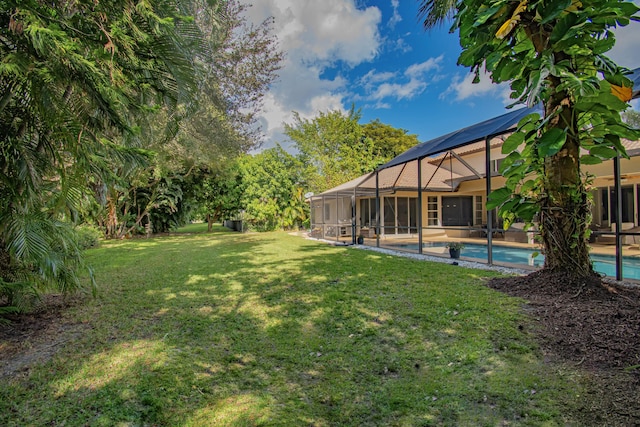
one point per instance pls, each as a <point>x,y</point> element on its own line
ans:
<point>435,13</point>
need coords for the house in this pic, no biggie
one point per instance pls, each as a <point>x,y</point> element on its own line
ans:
<point>437,190</point>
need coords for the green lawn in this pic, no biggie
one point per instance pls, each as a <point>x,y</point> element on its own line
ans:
<point>225,329</point>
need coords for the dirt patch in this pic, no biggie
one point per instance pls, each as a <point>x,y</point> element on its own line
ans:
<point>36,337</point>
<point>592,325</point>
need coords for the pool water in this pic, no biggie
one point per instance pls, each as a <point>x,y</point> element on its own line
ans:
<point>604,264</point>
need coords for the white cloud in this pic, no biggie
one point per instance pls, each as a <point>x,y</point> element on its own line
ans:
<point>277,113</point>
<point>314,35</point>
<point>299,89</point>
<point>326,31</point>
<point>418,70</point>
<point>399,90</point>
<point>464,88</point>
<point>391,85</point>
<point>327,102</point>
<point>379,106</point>
<point>396,17</point>
<point>401,45</point>
<point>298,84</point>
<point>373,77</point>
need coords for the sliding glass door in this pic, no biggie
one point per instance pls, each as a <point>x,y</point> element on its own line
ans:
<point>400,215</point>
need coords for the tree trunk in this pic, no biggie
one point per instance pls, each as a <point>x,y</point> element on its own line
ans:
<point>209,223</point>
<point>112,217</point>
<point>565,208</point>
<point>565,212</point>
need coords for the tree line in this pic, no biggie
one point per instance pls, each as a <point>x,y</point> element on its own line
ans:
<point>130,119</point>
<point>268,188</point>
<point>107,109</point>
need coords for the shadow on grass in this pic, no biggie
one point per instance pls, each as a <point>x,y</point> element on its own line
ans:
<point>249,329</point>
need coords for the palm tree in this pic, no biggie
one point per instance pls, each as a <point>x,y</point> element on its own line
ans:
<point>436,12</point>
<point>77,80</point>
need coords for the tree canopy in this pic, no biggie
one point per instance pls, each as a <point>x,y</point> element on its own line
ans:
<point>77,81</point>
<point>388,141</point>
<point>337,148</point>
<point>273,184</point>
<point>632,117</point>
<point>105,108</point>
<point>233,73</point>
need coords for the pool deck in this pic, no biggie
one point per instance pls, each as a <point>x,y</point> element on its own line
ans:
<point>395,243</point>
<point>391,242</point>
<point>441,251</point>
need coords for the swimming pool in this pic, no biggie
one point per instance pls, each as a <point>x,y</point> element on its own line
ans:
<point>604,264</point>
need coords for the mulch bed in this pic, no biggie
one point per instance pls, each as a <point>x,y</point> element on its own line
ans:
<point>590,324</point>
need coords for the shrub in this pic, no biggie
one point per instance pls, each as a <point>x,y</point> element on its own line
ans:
<point>455,245</point>
<point>88,236</point>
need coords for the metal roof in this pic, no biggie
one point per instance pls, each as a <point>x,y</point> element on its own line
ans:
<point>478,132</point>
<point>402,171</point>
<point>402,176</point>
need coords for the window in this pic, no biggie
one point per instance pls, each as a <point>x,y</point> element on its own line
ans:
<point>368,213</point>
<point>389,215</point>
<point>457,210</point>
<point>413,215</point>
<point>479,211</point>
<point>432,211</point>
<point>400,215</point>
<point>316,212</point>
<point>627,205</point>
<point>365,213</point>
<point>604,205</point>
<point>402,204</point>
<point>344,210</point>
<point>327,212</point>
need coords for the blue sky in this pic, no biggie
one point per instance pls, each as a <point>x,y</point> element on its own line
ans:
<point>376,56</point>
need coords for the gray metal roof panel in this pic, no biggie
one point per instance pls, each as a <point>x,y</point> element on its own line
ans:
<point>459,138</point>
<point>478,132</point>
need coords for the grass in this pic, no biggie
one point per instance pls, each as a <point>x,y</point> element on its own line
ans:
<point>227,329</point>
